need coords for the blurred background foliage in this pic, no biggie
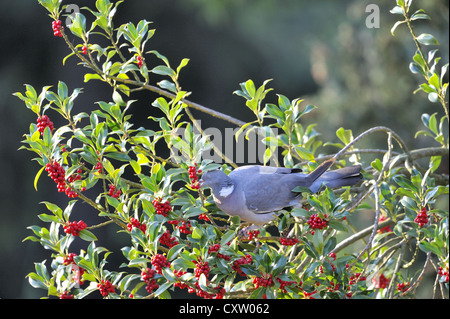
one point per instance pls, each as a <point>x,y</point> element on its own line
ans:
<point>321,51</point>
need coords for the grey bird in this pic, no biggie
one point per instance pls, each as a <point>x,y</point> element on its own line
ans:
<point>256,193</point>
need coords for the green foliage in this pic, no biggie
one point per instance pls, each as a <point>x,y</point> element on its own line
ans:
<point>101,149</point>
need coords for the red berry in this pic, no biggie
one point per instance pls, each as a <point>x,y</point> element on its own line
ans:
<point>214,249</point>
<point>384,229</point>
<point>106,287</point>
<point>135,223</point>
<point>180,284</point>
<point>162,208</point>
<point>202,267</point>
<point>43,122</point>
<point>65,295</point>
<point>113,192</point>
<point>403,286</point>
<point>74,228</point>
<point>139,61</point>
<point>159,262</point>
<point>315,222</point>
<point>356,277</point>
<point>56,26</point>
<point>185,228</point>
<point>58,174</point>
<point>422,217</point>
<point>380,281</point>
<point>443,272</point>
<point>147,274</point>
<point>283,284</point>
<point>167,240</point>
<point>247,259</point>
<point>288,241</point>
<point>99,166</point>
<point>264,281</point>
<point>193,175</point>
<point>252,234</point>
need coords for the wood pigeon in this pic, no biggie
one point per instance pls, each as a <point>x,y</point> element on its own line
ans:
<point>256,192</point>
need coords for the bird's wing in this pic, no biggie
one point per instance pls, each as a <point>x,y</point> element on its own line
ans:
<point>258,169</point>
<point>268,192</point>
<point>346,176</point>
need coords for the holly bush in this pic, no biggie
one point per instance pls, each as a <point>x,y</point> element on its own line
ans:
<point>177,238</point>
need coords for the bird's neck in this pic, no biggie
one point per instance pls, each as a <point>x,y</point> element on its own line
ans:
<point>225,190</point>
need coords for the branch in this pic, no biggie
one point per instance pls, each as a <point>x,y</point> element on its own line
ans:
<point>167,94</point>
<point>372,130</point>
<point>365,232</point>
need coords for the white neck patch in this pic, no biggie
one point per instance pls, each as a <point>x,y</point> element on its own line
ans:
<point>226,191</point>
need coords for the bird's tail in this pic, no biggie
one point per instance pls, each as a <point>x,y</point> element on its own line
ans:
<point>346,176</point>
<point>320,170</point>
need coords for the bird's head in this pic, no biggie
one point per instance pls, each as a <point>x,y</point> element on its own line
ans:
<point>218,181</point>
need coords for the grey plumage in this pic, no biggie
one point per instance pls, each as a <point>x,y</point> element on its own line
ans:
<point>256,192</point>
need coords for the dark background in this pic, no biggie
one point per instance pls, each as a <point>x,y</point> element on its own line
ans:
<point>321,51</point>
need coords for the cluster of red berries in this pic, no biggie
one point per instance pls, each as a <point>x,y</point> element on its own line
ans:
<point>252,234</point>
<point>84,50</point>
<point>70,193</point>
<point>220,293</point>
<point>201,267</point>
<point>263,281</point>
<point>214,249</point>
<point>205,295</point>
<point>386,229</point>
<point>74,228</point>
<point>288,241</point>
<point>180,284</point>
<point>443,272</point>
<point>162,208</point>
<point>403,286</point>
<point>147,276</point>
<point>136,223</point>
<point>68,260</point>
<point>333,267</point>
<point>307,295</point>
<point>43,122</point>
<point>315,222</point>
<point>56,26</point>
<point>139,61</point>
<point>65,295</point>
<point>168,240</point>
<point>247,259</point>
<point>58,174</point>
<point>159,262</point>
<point>422,218</point>
<point>380,281</point>
<point>203,217</point>
<point>284,283</point>
<point>106,287</point>
<point>355,278</point>
<point>114,192</point>
<point>333,287</point>
<point>75,177</point>
<point>197,290</point>
<point>193,175</point>
<point>185,227</point>
<point>99,166</point>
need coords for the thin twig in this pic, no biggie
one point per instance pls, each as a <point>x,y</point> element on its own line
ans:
<point>365,232</point>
